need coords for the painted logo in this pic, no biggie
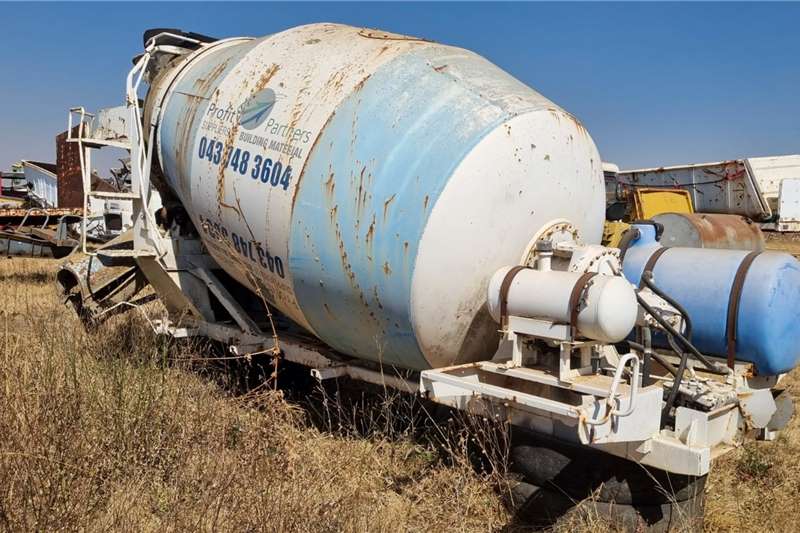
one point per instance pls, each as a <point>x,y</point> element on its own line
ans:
<point>256,109</point>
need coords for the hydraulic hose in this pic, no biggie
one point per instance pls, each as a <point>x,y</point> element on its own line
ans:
<point>647,341</point>
<point>630,235</point>
<point>647,278</point>
<point>673,393</point>
<point>711,366</point>
<point>676,373</point>
<point>655,355</point>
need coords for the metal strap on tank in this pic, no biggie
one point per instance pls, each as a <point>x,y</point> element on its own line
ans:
<point>733,304</point>
<point>509,277</point>
<point>651,263</point>
<point>575,298</point>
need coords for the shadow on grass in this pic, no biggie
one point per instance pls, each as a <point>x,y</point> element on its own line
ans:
<point>544,483</point>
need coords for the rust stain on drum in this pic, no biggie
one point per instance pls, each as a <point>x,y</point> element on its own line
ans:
<point>186,129</point>
<point>231,139</point>
<point>228,146</point>
<point>265,78</point>
<point>361,192</point>
<point>188,118</point>
<point>370,233</point>
<point>343,256</point>
<point>298,109</point>
<point>330,186</point>
<point>308,158</point>
<point>711,230</point>
<point>386,205</point>
<point>727,231</point>
<point>204,84</point>
<point>375,296</point>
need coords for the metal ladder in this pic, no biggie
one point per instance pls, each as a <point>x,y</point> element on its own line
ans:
<point>87,141</point>
<point>147,238</point>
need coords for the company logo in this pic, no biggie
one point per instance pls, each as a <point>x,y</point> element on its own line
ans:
<point>256,109</point>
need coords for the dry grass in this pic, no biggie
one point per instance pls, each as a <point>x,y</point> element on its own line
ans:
<point>757,487</point>
<point>113,431</point>
<point>119,430</point>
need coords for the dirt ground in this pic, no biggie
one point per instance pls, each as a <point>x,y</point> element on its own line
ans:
<point>784,242</point>
<point>116,429</point>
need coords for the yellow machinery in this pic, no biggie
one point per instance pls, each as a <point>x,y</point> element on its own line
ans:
<point>649,202</point>
<point>643,204</point>
<point>612,232</point>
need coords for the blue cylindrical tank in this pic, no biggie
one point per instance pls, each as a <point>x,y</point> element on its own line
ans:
<point>767,332</point>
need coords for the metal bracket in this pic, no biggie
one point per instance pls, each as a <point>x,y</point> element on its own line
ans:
<point>587,404</point>
<point>611,407</point>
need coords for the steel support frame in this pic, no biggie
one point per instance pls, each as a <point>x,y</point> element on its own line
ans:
<point>637,437</point>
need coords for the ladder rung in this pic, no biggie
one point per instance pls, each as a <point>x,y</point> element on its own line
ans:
<point>99,143</point>
<point>126,253</point>
<point>107,194</point>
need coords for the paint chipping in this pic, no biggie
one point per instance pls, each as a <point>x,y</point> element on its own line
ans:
<point>231,138</point>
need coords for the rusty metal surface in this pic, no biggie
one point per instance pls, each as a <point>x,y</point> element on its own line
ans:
<point>710,230</point>
<point>35,242</point>
<point>52,212</point>
<point>93,288</point>
<point>68,171</point>
<point>37,217</point>
<point>95,284</point>
<point>109,124</point>
<point>721,187</point>
<point>14,248</point>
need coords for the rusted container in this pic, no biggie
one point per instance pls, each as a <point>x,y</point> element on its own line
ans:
<point>710,230</point>
<point>68,171</point>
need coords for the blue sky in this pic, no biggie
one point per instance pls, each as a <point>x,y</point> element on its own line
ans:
<point>654,83</point>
